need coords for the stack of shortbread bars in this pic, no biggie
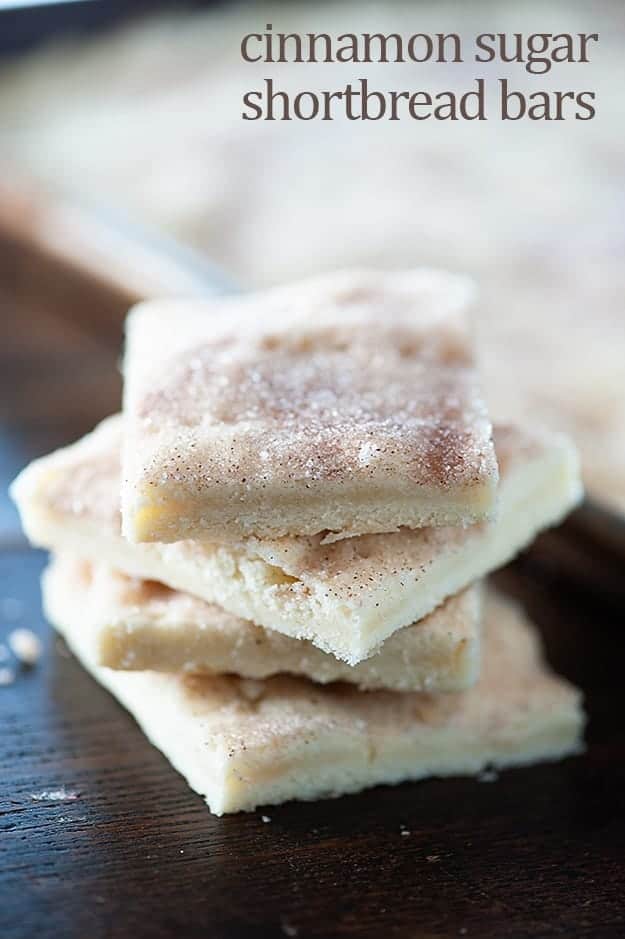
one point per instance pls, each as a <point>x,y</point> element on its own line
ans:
<point>275,557</point>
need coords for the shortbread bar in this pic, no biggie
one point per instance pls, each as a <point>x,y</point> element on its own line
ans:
<point>242,743</point>
<point>345,597</point>
<point>345,405</point>
<point>141,625</point>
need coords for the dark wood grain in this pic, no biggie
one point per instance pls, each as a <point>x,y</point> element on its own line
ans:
<point>539,852</point>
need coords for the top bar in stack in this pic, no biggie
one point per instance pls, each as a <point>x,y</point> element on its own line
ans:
<point>347,405</point>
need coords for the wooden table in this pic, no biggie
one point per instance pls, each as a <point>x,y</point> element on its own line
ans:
<point>538,852</point>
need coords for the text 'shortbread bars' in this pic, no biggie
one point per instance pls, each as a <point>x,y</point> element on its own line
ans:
<point>347,404</point>
<point>140,625</point>
<point>346,597</point>
<point>242,743</point>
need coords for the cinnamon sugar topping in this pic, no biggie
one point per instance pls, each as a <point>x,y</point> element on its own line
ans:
<point>363,381</point>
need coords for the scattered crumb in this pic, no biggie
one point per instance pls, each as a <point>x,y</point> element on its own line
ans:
<point>55,795</point>
<point>463,930</point>
<point>4,652</point>
<point>489,775</point>
<point>265,818</point>
<point>182,850</point>
<point>289,930</point>
<point>7,676</point>
<point>404,833</point>
<point>11,608</point>
<point>433,858</point>
<point>25,645</point>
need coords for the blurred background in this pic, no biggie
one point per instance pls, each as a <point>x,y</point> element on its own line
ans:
<point>127,171</point>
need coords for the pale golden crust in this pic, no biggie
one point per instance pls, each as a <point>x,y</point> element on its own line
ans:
<point>346,597</point>
<point>140,624</point>
<point>87,485</point>
<point>90,490</point>
<point>244,743</point>
<point>305,408</point>
<point>513,680</point>
<point>354,566</point>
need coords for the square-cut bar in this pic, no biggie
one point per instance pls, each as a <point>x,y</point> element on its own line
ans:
<point>140,625</point>
<point>242,743</point>
<point>346,404</point>
<point>346,597</point>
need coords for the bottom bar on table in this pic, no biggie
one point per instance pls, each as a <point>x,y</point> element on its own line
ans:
<point>242,743</point>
